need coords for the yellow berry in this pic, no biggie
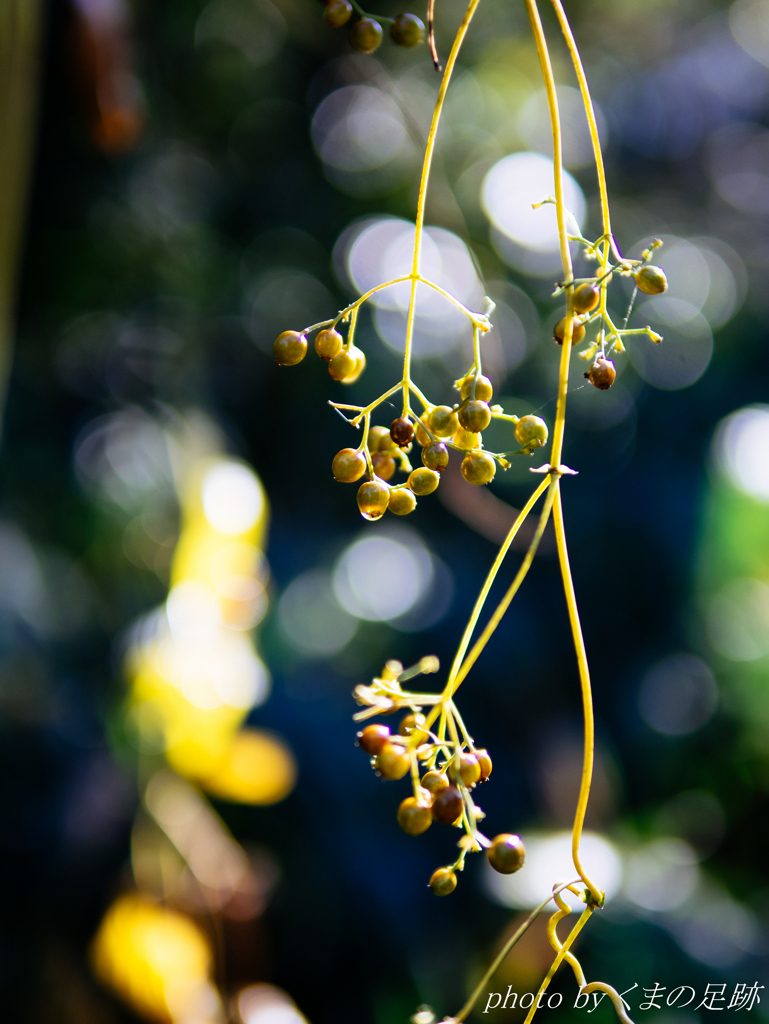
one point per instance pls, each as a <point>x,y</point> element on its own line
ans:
<point>485,762</point>
<point>349,465</point>
<point>392,761</point>
<point>531,432</point>
<point>577,330</point>
<point>384,465</point>
<point>373,499</point>
<point>290,348</point>
<point>379,440</point>
<point>360,365</point>
<point>443,421</point>
<point>423,480</point>
<point>475,416</point>
<point>466,439</point>
<point>342,365</point>
<point>435,456</point>
<point>328,343</point>
<point>443,882</point>
<point>468,770</point>
<point>402,501</point>
<point>478,468</point>
<point>434,782</point>
<point>414,817</point>
<point>586,297</point>
<point>483,389</point>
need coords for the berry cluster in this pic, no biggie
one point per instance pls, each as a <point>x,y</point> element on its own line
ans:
<point>439,428</point>
<point>587,306</point>
<point>451,766</point>
<point>366,33</point>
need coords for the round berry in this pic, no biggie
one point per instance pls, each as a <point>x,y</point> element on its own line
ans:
<point>290,348</point>
<point>466,439</point>
<point>412,725</point>
<point>422,436</point>
<point>414,817</point>
<point>506,854</point>
<point>349,465</point>
<point>602,374</point>
<point>373,499</point>
<point>443,882</point>
<point>379,440</point>
<point>651,280</point>
<point>485,762</point>
<point>443,421</point>
<point>402,431</point>
<point>447,805</point>
<point>483,388</point>
<point>366,35</point>
<point>373,738</point>
<point>435,456</point>
<point>586,297</point>
<point>407,30</point>
<point>423,481</point>
<point>531,432</point>
<point>577,330</point>
<point>469,770</point>
<point>478,468</point>
<point>392,761</point>
<point>384,465</point>
<point>434,782</point>
<point>342,366</point>
<point>337,13</point>
<point>402,501</point>
<point>360,365</point>
<point>328,343</point>
<point>475,416</point>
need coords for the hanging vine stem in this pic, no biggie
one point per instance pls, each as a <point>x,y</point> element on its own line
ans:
<point>442,750</point>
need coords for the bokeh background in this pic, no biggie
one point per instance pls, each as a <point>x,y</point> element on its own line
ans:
<point>187,598</point>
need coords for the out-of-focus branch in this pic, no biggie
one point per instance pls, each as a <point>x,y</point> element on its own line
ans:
<point>20,32</point>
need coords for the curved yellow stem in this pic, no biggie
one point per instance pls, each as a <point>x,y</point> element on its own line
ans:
<point>560,957</point>
<point>587,698</point>
<point>459,38</point>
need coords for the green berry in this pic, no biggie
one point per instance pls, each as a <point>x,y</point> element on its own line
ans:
<point>366,35</point>
<point>337,13</point>
<point>407,30</point>
<point>651,280</point>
